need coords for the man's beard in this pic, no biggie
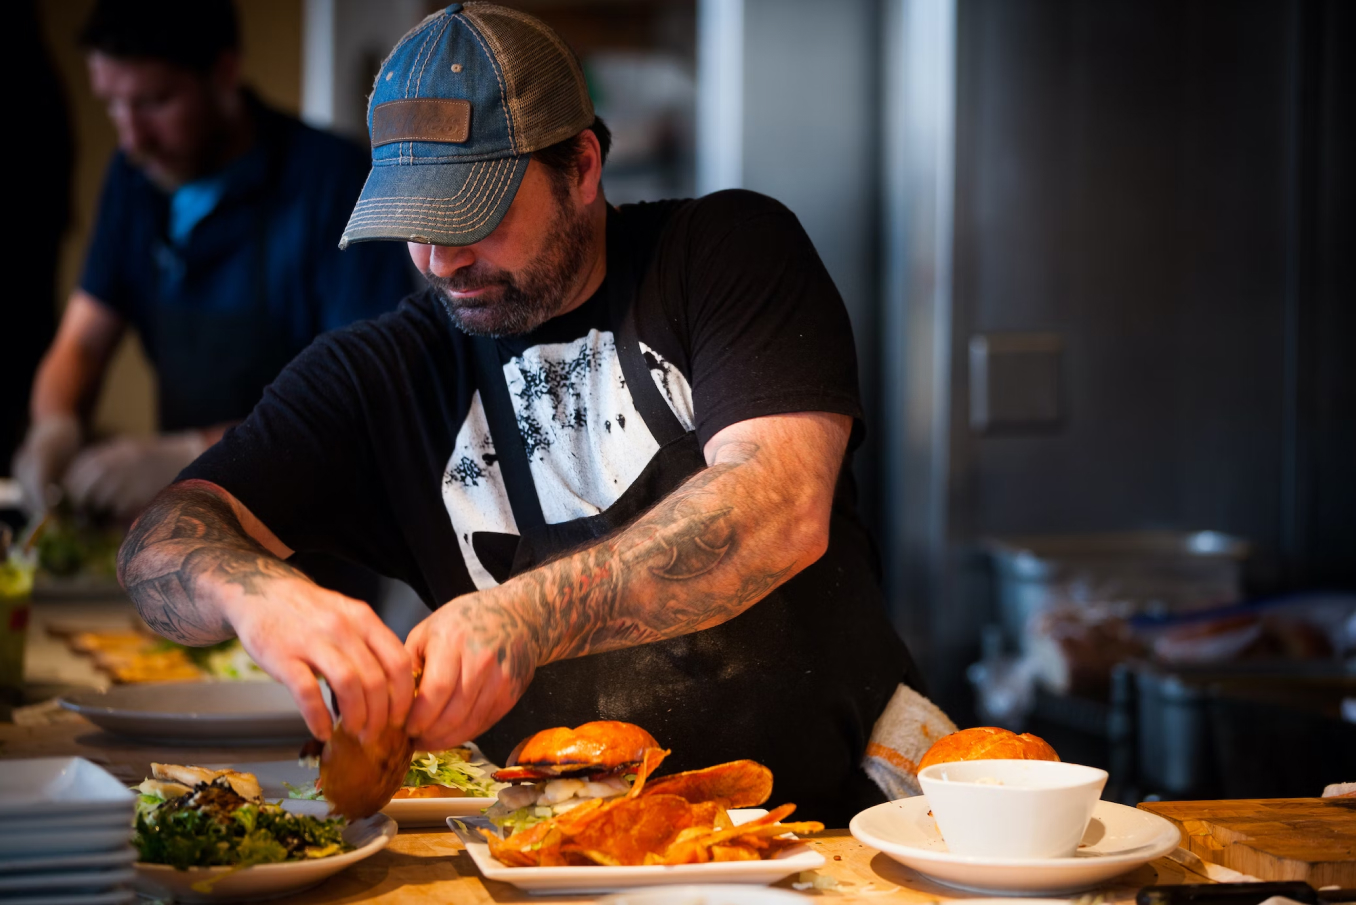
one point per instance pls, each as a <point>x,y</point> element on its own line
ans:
<point>517,303</point>
<point>204,158</point>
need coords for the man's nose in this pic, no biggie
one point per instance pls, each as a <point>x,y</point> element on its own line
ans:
<point>445,260</point>
<point>132,133</point>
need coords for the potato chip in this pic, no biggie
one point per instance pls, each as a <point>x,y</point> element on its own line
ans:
<point>625,831</point>
<point>739,783</point>
<point>710,814</point>
<point>682,853</point>
<point>649,762</point>
<point>510,851</point>
<point>733,853</point>
<point>678,819</point>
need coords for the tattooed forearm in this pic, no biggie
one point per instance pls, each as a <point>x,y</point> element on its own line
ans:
<point>186,543</point>
<point>715,546</point>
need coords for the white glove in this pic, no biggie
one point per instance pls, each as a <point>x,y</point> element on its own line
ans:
<point>51,443</point>
<point>121,475</point>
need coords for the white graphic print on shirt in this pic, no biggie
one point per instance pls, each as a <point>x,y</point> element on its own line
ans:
<point>585,440</point>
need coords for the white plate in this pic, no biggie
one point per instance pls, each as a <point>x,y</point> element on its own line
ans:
<point>408,812</point>
<point>188,713</point>
<point>84,861</point>
<point>715,894</point>
<point>572,879</point>
<point>65,842</point>
<point>1118,839</point>
<point>434,811</point>
<point>367,836</point>
<point>51,787</point>
<point>94,820</point>
<point>91,880</point>
<point>112,897</point>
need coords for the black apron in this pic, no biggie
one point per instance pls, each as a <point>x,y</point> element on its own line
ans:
<point>795,682</point>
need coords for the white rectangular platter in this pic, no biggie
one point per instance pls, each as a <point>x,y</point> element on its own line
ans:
<point>555,880</point>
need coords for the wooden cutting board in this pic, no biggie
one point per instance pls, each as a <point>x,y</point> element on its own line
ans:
<point>1310,839</point>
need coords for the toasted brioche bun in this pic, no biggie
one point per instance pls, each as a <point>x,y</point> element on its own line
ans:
<point>600,745</point>
<point>987,743</point>
<point>434,791</point>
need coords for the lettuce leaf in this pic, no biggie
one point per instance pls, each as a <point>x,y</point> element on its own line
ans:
<point>305,791</point>
<point>451,768</point>
<point>510,822</point>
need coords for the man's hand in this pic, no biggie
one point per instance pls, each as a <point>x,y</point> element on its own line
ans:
<point>49,447</point>
<point>123,474</point>
<point>201,567</point>
<point>476,665</point>
<point>295,630</point>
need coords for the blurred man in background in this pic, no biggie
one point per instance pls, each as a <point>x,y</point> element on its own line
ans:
<point>216,238</point>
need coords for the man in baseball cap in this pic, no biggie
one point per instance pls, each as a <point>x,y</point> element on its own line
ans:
<point>607,445</point>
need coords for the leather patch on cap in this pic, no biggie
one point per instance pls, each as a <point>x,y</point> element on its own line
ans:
<point>421,119</point>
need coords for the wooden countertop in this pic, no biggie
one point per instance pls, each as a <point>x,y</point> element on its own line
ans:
<point>1309,839</point>
<point>431,866</point>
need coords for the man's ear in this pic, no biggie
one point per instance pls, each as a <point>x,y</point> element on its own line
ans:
<point>588,169</point>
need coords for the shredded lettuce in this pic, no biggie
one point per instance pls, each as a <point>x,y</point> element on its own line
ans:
<point>451,768</point>
<point>305,791</point>
<point>515,821</point>
<point>146,803</point>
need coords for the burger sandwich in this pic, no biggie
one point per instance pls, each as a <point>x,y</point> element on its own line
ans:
<point>558,769</point>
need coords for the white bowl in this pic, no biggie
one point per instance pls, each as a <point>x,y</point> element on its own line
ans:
<point>734,894</point>
<point>1012,808</point>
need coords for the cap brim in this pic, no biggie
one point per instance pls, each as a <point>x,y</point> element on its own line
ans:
<point>435,203</point>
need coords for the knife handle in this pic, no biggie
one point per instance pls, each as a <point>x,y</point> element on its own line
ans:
<point>1228,894</point>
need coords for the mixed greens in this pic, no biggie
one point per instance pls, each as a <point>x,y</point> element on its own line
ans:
<point>212,826</point>
<point>450,768</point>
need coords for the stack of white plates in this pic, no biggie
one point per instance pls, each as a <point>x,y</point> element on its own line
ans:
<point>65,830</point>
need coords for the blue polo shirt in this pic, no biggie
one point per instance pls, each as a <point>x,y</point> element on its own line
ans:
<point>260,239</point>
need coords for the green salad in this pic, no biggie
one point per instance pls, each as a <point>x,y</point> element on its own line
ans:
<point>212,826</point>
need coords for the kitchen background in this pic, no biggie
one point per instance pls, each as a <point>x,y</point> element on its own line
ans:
<point>1099,257</point>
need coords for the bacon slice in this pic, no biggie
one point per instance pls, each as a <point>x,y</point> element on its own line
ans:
<point>521,774</point>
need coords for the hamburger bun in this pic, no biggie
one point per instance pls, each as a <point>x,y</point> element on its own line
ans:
<point>602,745</point>
<point>987,743</point>
<point>434,791</point>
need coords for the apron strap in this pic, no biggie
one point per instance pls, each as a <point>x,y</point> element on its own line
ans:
<point>663,425</point>
<point>508,440</point>
<point>623,297</point>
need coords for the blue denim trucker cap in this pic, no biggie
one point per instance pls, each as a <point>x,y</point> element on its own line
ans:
<point>457,110</point>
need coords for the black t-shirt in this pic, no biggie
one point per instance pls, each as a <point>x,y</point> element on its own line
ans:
<point>373,443</point>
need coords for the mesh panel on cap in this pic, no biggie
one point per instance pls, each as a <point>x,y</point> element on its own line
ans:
<point>546,93</point>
